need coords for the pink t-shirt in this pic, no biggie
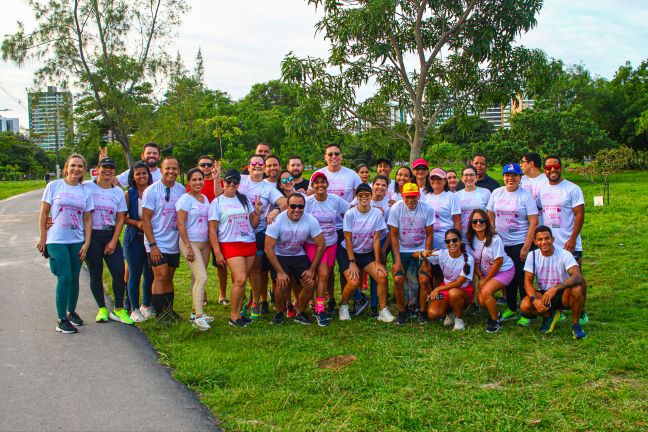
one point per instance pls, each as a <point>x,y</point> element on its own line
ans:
<point>68,203</point>
<point>411,224</point>
<point>233,219</point>
<point>362,227</point>
<point>512,210</point>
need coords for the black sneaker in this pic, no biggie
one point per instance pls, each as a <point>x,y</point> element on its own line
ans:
<point>422,318</point>
<point>331,306</point>
<point>473,308</point>
<point>278,319</point>
<point>303,319</point>
<point>402,318</point>
<point>65,327</point>
<point>265,309</point>
<point>238,323</point>
<point>493,326</point>
<point>74,319</point>
<point>246,320</point>
<point>500,300</point>
<point>360,306</point>
<point>373,312</point>
<point>323,320</point>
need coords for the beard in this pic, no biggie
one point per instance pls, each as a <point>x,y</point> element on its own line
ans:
<point>296,173</point>
<point>151,163</point>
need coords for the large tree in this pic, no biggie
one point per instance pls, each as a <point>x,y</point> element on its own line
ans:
<point>425,57</point>
<point>109,49</point>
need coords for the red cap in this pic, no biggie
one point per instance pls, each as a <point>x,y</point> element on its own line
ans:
<point>418,162</point>
<point>317,175</point>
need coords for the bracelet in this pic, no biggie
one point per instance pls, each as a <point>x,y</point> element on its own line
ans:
<point>532,298</point>
<point>152,244</point>
<point>352,260</point>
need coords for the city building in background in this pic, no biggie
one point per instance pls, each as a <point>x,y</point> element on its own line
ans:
<point>500,116</point>
<point>8,124</point>
<point>50,114</point>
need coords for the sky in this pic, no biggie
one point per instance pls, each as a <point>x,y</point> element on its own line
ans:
<point>243,43</point>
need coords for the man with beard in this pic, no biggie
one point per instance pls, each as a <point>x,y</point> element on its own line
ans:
<point>150,155</point>
<point>296,168</point>
<point>483,179</point>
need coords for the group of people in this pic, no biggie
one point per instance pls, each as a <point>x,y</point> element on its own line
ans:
<point>455,241</point>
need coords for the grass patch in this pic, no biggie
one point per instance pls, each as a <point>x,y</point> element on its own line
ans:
<point>429,378</point>
<point>11,188</point>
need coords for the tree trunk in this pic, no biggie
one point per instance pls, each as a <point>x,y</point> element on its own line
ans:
<point>417,142</point>
<point>123,140</point>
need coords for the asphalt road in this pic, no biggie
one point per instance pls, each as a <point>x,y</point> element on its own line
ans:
<point>106,377</point>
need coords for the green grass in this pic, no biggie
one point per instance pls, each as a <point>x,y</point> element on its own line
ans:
<point>11,188</point>
<point>429,378</point>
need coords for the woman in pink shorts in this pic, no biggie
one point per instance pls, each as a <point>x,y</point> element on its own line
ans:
<point>329,211</point>
<point>493,267</point>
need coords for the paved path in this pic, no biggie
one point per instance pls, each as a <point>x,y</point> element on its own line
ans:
<point>105,377</point>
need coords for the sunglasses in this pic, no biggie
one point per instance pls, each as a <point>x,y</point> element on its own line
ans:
<point>452,240</point>
<point>476,221</point>
<point>287,179</point>
<point>297,206</point>
<point>550,167</point>
<point>167,194</point>
<point>257,163</point>
<point>206,165</point>
<point>333,154</point>
<point>233,181</point>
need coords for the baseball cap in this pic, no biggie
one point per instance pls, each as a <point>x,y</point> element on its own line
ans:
<point>317,175</point>
<point>232,174</point>
<point>108,162</point>
<point>384,160</point>
<point>512,168</point>
<point>410,189</point>
<point>420,162</point>
<point>363,187</point>
<point>438,172</point>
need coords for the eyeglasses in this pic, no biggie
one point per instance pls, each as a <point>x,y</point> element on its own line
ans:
<point>206,165</point>
<point>332,154</point>
<point>257,163</point>
<point>297,206</point>
<point>468,175</point>
<point>167,194</point>
<point>550,167</point>
<point>452,240</point>
<point>287,179</point>
<point>233,181</point>
<point>476,221</point>
<point>523,161</point>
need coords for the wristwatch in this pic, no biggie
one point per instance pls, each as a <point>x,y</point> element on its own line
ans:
<point>532,298</point>
<point>152,244</point>
<point>352,260</point>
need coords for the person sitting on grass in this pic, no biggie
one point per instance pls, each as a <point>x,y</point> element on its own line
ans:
<point>456,291</point>
<point>363,225</point>
<point>560,284</point>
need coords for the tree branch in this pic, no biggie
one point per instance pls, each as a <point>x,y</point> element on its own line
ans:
<point>444,37</point>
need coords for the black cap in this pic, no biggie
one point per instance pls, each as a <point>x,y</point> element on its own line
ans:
<point>232,174</point>
<point>107,162</point>
<point>363,187</point>
<point>385,160</point>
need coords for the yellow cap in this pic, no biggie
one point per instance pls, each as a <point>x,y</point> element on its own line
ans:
<point>410,189</point>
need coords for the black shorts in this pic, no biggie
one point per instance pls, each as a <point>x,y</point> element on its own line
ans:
<point>362,260</point>
<point>436,270</point>
<point>260,244</point>
<point>173,260</point>
<point>556,301</point>
<point>578,256</point>
<point>294,266</point>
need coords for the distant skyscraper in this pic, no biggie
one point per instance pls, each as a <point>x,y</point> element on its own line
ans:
<point>8,124</point>
<point>48,114</point>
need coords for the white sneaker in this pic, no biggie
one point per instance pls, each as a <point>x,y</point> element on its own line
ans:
<point>192,317</point>
<point>449,319</point>
<point>344,313</point>
<point>386,316</point>
<point>147,312</point>
<point>137,316</point>
<point>459,324</point>
<point>201,324</point>
<point>208,318</point>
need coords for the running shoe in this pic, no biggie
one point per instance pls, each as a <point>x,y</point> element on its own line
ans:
<point>121,316</point>
<point>137,316</point>
<point>584,319</point>
<point>373,312</point>
<point>523,321</point>
<point>278,319</point>
<point>331,306</point>
<point>473,308</point>
<point>147,311</point>
<point>290,310</point>
<point>449,320</point>
<point>192,317</point>
<point>64,326</point>
<point>265,308</point>
<point>493,326</point>
<point>208,318</point>
<point>509,315</point>
<point>422,318</point>
<point>500,300</point>
<point>238,323</point>
<point>344,313</point>
<point>360,305</point>
<point>459,324</point>
<point>102,315</point>
<point>303,319</point>
<point>402,318</point>
<point>550,322</point>
<point>323,319</point>
<point>256,313</point>
<point>577,331</point>
<point>386,316</point>
<point>74,319</point>
<point>201,324</point>
<point>224,302</point>
<point>246,319</point>
<point>562,317</point>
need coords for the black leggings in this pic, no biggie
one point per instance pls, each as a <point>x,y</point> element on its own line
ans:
<point>517,284</point>
<point>115,262</point>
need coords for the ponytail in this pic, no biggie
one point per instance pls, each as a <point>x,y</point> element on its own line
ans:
<point>243,200</point>
<point>466,267</point>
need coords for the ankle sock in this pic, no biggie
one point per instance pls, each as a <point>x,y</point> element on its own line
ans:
<point>319,304</point>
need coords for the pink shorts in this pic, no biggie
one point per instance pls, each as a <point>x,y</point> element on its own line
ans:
<point>329,253</point>
<point>505,277</point>
<point>468,290</point>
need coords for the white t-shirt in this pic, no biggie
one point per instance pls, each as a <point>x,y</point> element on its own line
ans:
<point>453,268</point>
<point>552,270</point>
<point>233,219</point>
<point>362,227</point>
<point>469,201</point>
<point>533,185</point>
<point>290,235</point>
<point>329,213</point>
<point>557,203</point>
<point>511,211</point>
<point>268,193</point>
<point>396,196</point>
<point>107,203</point>
<point>485,256</point>
<point>390,189</point>
<point>123,177</point>
<point>164,222</point>
<point>68,203</point>
<point>411,224</point>
<point>197,215</point>
<point>342,183</point>
<point>383,206</point>
<point>445,207</point>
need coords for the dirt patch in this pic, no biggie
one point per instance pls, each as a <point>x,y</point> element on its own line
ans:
<point>336,362</point>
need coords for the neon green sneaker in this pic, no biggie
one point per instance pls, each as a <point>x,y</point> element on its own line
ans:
<point>584,319</point>
<point>562,317</point>
<point>121,316</point>
<point>102,315</point>
<point>523,321</point>
<point>255,314</point>
<point>508,315</point>
<point>550,322</point>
